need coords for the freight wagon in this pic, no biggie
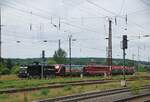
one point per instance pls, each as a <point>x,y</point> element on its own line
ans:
<point>96,70</point>
<point>119,70</point>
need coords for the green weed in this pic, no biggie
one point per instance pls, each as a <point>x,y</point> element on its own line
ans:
<point>3,96</point>
<point>26,99</point>
<point>135,87</point>
<point>81,89</point>
<point>67,87</point>
<point>44,92</point>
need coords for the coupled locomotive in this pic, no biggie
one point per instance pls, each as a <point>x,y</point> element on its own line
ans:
<point>45,70</point>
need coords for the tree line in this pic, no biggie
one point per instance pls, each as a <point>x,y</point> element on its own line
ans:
<point>7,67</point>
<point>11,66</point>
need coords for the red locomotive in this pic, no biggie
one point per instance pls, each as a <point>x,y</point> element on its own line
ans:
<point>92,70</point>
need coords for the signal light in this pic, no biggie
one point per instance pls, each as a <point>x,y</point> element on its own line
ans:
<point>125,42</point>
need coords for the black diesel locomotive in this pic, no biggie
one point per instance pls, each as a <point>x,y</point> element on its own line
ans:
<point>37,70</point>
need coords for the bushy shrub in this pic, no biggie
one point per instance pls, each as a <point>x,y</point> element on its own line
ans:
<point>50,61</point>
<point>15,69</point>
<point>44,92</point>
<point>135,87</point>
<point>5,71</point>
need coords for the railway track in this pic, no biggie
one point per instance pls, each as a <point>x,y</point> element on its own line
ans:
<point>61,84</point>
<point>132,98</point>
<point>147,100</point>
<point>85,96</point>
<point>56,85</point>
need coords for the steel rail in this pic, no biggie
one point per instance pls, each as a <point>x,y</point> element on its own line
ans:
<point>84,96</point>
<point>57,85</point>
<point>60,85</point>
<point>132,97</point>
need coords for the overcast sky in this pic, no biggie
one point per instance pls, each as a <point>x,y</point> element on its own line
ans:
<point>32,21</point>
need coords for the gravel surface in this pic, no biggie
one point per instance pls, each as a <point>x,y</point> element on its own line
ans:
<point>143,99</point>
<point>112,98</point>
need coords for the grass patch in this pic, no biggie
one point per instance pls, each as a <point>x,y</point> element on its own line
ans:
<point>135,87</point>
<point>25,99</point>
<point>3,96</point>
<point>12,81</point>
<point>7,82</point>
<point>67,90</point>
<point>81,89</point>
<point>44,92</point>
<point>67,87</point>
<point>35,94</point>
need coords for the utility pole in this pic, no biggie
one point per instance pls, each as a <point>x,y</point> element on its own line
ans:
<point>133,55</point>
<point>106,55</point>
<point>138,58</point>
<point>124,64</point>
<point>109,59</point>
<point>43,62</point>
<point>59,44</point>
<point>148,59</point>
<point>0,36</point>
<point>70,38</point>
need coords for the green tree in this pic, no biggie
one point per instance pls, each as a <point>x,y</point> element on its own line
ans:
<point>50,61</point>
<point>9,64</point>
<point>141,68</point>
<point>5,71</point>
<point>1,67</point>
<point>60,56</point>
<point>15,69</point>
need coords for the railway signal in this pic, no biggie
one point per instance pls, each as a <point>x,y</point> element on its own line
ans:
<point>43,55</point>
<point>125,42</point>
<point>124,46</point>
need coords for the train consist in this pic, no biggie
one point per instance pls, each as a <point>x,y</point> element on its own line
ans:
<point>38,70</point>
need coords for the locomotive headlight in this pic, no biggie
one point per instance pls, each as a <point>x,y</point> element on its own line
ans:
<point>57,66</point>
